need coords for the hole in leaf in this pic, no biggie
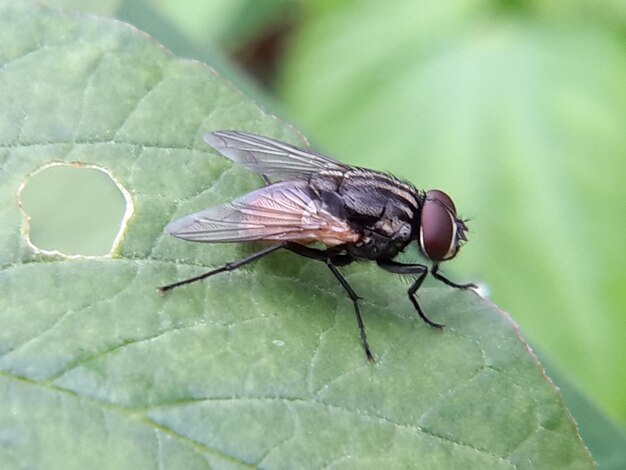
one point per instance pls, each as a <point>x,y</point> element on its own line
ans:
<point>74,210</point>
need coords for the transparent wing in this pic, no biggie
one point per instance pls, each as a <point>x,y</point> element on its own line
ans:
<point>286,211</point>
<point>270,157</point>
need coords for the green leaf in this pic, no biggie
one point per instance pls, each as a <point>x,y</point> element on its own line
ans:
<point>167,30</point>
<point>603,437</point>
<point>522,121</point>
<point>100,7</point>
<point>229,22</point>
<point>262,366</point>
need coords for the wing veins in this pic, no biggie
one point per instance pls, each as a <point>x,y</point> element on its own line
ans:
<point>282,211</point>
<point>270,157</point>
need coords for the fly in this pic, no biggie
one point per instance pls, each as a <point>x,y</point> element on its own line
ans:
<point>357,213</point>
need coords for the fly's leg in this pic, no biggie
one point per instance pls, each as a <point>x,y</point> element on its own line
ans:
<point>226,267</point>
<point>415,269</point>
<point>355,301</point>
<point>321,255</point>
<point>412,291</point>
<point>331,261</point>
<point>437,275</point>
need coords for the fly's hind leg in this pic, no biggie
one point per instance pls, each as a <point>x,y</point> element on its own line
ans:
<point>332,261</point>
<point>226,267</point>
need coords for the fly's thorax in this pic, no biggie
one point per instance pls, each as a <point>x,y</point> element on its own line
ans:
<point>326,181</point>
<point>367,185</point>
<point>372,245</point>
<point>394,228</point>
<point>379,207</point>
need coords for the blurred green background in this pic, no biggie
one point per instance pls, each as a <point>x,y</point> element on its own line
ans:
<point>516,109</point>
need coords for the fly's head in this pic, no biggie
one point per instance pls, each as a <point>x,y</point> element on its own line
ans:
<point>442,232</point>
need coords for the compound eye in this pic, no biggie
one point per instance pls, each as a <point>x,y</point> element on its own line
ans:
<point>438,231</point>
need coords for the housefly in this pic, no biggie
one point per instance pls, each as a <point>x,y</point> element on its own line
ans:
<point>356,213</point>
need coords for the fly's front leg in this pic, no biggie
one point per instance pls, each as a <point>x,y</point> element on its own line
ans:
<point>414,269</point>
<point>437,275</point>
<point>331,261</point>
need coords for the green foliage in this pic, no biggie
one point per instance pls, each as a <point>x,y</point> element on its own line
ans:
<point>100,7</point>
<point>259,367</point>
<point>520,117</point>
<point>227,22</point>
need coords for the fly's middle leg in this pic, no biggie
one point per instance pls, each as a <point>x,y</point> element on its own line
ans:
<point>355,301</point>
<point>332,261</point>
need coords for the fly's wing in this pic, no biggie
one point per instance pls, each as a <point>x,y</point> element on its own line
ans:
<point>270,157</point>
<point>286,211</point>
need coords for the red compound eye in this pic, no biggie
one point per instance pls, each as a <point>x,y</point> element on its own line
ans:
<point>438,231</point>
